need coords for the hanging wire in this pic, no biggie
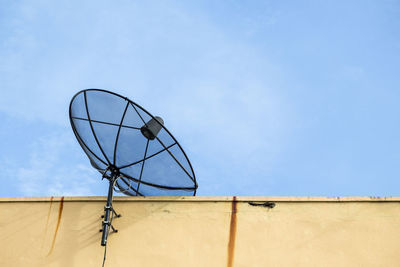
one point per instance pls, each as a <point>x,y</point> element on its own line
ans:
<point>105,253</point>
<point>125,190</point>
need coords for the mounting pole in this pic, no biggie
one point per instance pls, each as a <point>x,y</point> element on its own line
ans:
<point>108,209</point>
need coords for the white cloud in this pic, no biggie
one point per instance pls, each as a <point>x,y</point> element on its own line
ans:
<point>52,169</point>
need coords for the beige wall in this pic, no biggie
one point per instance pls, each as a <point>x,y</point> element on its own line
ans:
<point>201,231</point>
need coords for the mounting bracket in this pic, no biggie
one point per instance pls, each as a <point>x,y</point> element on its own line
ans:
<point>108,208</point>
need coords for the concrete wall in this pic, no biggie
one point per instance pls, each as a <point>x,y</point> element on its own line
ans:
<point>201,231</point>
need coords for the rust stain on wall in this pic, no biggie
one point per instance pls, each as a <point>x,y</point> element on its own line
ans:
<point>232,234</point>
<point>60,210</point>
<point>48,213</point>
<point>47,221</point>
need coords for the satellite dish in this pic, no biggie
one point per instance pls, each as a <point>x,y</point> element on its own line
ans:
<point>129,147</point>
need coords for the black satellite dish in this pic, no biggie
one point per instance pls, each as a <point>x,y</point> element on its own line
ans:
<point>129,147</point>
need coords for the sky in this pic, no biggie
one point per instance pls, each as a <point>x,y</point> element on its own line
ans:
<point>267,98</point>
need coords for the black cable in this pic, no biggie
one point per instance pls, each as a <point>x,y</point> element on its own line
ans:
<point>105,253</point>
<point>267,204</point>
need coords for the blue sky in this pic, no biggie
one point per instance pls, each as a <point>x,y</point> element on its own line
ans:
<point>269,98</point>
